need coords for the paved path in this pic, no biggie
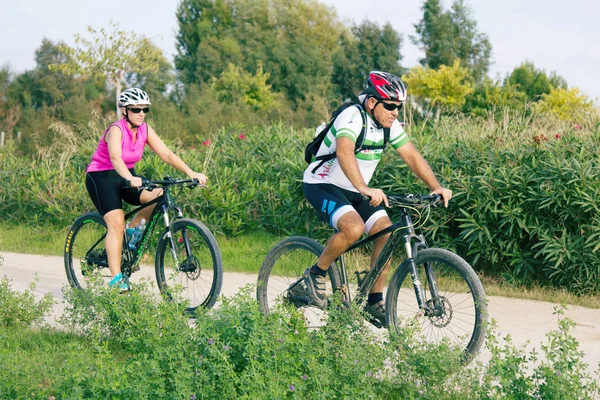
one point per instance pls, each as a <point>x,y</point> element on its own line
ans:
<point>525,320</point>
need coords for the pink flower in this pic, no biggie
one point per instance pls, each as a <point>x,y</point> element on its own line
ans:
<point>577,127</point>
<point>206,143</point>
<point>242,136</point>
<point>557,136</point>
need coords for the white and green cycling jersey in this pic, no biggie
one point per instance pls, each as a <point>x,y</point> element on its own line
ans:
<point>349,124</point>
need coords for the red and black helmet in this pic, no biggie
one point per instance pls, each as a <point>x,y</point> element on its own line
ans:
<point>384,86</point>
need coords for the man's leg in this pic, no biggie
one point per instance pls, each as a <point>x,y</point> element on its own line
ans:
<point>350,227</point>
<point>380,225</point>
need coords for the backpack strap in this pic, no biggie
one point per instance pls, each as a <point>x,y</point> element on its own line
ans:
<point>359,140</point>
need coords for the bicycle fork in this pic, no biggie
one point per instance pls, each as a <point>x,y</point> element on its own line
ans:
<point>412,249</point>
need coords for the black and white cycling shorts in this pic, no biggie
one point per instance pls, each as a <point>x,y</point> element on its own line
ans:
<point>331,202</point>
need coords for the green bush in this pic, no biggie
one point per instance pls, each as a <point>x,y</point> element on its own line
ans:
<point>524,206</point>
<point>136,346</point>
<point>21,309</point>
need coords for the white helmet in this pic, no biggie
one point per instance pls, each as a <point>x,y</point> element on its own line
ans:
<point>133,96</point>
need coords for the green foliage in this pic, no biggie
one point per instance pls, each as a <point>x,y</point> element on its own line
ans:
<point>137,346</point>
<point>235,85</point>
<point>492,96</point>
<point>534,82</point>
<point>445,87</point>
<point>525,187</point>
<point>445,36</point>
<point>568,105</point>
<point>292,39</point>
<point>367,47</point>
<point>110,55</point>
<point>21,309</point>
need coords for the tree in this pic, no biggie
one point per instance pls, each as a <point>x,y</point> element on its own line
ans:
<point>446,87</point>
<point>566,104</point>
<point>111,56</point>
<point>234,84</point>
<point>534,82</point>
<point>292,39</point>
<point>367,47</point>
<point>445,36</point>
<point>491,95</point>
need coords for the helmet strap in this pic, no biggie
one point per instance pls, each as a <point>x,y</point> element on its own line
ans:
<point>128,120</point>
<point>372,111</point>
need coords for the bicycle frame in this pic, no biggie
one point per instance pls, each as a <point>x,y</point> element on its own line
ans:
<point>164,203</point>
<point>404,232</point>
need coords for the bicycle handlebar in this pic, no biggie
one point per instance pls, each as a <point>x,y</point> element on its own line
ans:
<point>149,185</point>
<point>410,199</point>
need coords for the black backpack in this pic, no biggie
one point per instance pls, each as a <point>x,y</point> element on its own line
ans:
<point>310,152</point>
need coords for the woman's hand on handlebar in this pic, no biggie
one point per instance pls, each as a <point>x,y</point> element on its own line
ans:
<point>201,178</point>
<point>135,182</point>
<point>445,193</point>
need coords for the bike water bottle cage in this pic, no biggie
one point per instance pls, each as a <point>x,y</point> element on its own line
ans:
<point>358,146</point>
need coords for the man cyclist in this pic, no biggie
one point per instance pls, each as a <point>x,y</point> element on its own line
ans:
<point>338,189</point>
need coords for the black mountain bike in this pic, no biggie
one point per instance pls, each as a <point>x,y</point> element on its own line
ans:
<point>187,253</point>
<point>432,287</point>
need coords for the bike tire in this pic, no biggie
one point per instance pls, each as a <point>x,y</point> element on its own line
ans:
<point>462,311</point>
<point>84,251</point>
<point>284,265</point>
<point>199,276</point>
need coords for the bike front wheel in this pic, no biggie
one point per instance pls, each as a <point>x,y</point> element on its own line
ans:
<point>456,307</point>
<point>280,278</point>
<point>85,252</point>
<point>191,262</point>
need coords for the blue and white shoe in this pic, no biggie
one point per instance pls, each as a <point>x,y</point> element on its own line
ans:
<point>119,282</point>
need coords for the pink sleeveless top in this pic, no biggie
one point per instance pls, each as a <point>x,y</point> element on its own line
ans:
<point>131,152</point>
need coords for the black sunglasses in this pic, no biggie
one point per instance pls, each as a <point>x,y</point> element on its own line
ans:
<point>392,106</point>
<point>137,110</point>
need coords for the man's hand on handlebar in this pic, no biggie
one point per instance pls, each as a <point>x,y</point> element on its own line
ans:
<point>445,193</point>
<point>377,196</point>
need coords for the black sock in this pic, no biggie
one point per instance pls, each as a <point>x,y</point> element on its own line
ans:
<point>374,298</point>
<point>315,270</point>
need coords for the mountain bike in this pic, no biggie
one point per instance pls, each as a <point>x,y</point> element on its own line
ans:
<point>432,287</point>
<point>187,254</point>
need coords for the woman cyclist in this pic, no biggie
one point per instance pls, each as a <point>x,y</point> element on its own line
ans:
<point>119,149</point>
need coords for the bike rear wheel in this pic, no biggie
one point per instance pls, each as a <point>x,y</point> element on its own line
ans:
<point>85,253</point>
<point>193,266</point>
<point>458,311</point>
<point>280,277</point>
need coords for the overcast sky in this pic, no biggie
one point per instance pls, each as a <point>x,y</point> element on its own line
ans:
<point>556,36</point>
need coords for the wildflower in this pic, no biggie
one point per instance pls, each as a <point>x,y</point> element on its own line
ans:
<point>226,347</point>
<point>577,127</point>
<point>193,397</point>
<point>292,388</point>
<point>242,136</point>
<point>369,373</point>
<point>558,373</point>
<point>304,377</point>
<point>210,341</point>
<point>557,136</point>
<point>180,240</point>
<point>206,143</point>
<point>279,341</point>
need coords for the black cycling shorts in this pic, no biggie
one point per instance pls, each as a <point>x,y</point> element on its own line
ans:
<point>328,199</point>
<point>107,192</point>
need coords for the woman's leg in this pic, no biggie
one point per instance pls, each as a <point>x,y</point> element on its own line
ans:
<point>145,197</point>
<point>115,222</point>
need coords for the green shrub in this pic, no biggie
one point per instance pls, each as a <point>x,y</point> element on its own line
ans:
<point>21,309</point>
<point>524,185</point>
